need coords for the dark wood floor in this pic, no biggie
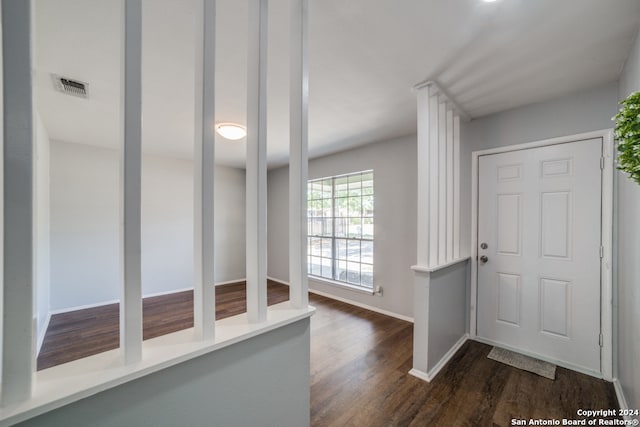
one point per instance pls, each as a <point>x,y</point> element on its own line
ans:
<point>359,366</point>
<point>83,333</point>
<point>359,377</point>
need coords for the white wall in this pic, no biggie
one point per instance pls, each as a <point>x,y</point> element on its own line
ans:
<point>447,322</point>
<point>583,111</point>
<point>85,217</point>
<point>42,271</point>
<point>394,166</point>
<point>263,381</point>
<point>628,267</point>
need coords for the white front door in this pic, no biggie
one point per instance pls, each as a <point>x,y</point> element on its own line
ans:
<point>539,220</point>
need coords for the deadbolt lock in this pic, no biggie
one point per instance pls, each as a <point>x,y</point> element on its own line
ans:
<point>484,246</point>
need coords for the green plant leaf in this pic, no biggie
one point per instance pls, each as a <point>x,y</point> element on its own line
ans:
<point>627,133</point>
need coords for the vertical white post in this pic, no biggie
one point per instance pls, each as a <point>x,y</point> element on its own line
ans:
<point>18,179</point>
<point>298,155</point>
<point>434,173</point>
<point>456,186</point>
<point>442,183</point>
<point>423,176</point>
<point>256,203</point>
<point>131,289</point>
<point>450,180</point>
<point>204,293</point>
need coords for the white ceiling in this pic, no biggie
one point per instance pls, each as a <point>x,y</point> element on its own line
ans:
<point>365,56</point>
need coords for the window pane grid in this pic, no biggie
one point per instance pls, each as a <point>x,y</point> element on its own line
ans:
<point>340,228</point>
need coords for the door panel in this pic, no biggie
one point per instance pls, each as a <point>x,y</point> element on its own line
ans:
<point>539,214</point>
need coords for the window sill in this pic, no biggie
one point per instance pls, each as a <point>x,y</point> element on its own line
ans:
<point>342,285</point>
<point>68,383</point>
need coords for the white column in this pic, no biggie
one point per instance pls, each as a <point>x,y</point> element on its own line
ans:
<point>423,176</point>
<point>204,294</point>
<point>298,154</point>
<point>131,287</point>
<point>256,203</point>
<point>421,290</point>
<point>456,186</point>
<point>450,182</point>
<point>442,182</point>
<point>434,173</point>
<point>18,209</point>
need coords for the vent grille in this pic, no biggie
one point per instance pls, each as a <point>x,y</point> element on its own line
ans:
<point>71,86</point>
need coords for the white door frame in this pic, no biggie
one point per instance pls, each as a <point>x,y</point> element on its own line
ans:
<point>606,266</point>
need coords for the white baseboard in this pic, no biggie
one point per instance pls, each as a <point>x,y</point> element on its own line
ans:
<point>42,334</point>
<point>429,376</point>
<point>173,291</point>
<point>83,307</point>
<point>445,359</point>
<point>348,301</point>
<point>419,374</point>
<point>365,306</point>
<point>157,294</point>
<point>282,282</point>
<point>230,282</point>
<point>622,401</point>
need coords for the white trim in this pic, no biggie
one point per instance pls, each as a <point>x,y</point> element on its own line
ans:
<point>606,308</point>
<point>83,307</point>
<point>448,355</point>
<point>282,282</point>
<point>231,282</point>
<point>425,269</point>
<point>622,400</point>
<point>603,133</point>
<point>73,381</point>
<point>42,334</point>
<point>163,293</point>
<point>361,305</point>
<point>473,250</point>
<point>429,376</point>
<point>606,263</point>
<point>560,363</point>
<point>419,374</point>
<point>342,285</point>
<point>156,294</point>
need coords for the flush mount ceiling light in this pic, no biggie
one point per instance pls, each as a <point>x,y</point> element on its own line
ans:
<point>489,1</point>
<point>231,131</point>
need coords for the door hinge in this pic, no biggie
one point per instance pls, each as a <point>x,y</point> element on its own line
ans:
<point>601,340</point>
<point>601,251</point>
<point>602,162</point>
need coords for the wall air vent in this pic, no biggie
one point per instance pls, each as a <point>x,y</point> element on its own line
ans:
<point>71,86</point>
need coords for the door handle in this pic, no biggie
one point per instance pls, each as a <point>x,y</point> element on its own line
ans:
<point>484,259</point>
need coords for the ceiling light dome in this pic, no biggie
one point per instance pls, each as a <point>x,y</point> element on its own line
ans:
<point>231,131</point>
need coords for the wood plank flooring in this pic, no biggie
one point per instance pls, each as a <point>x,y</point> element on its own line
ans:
<point>359,366</point>
<point>359,377</point>
<point>83,333</point>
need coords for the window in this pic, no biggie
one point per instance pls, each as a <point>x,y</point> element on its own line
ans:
<point>340,217</point>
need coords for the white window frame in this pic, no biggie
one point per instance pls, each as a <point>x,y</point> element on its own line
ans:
<point>334,238</point>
